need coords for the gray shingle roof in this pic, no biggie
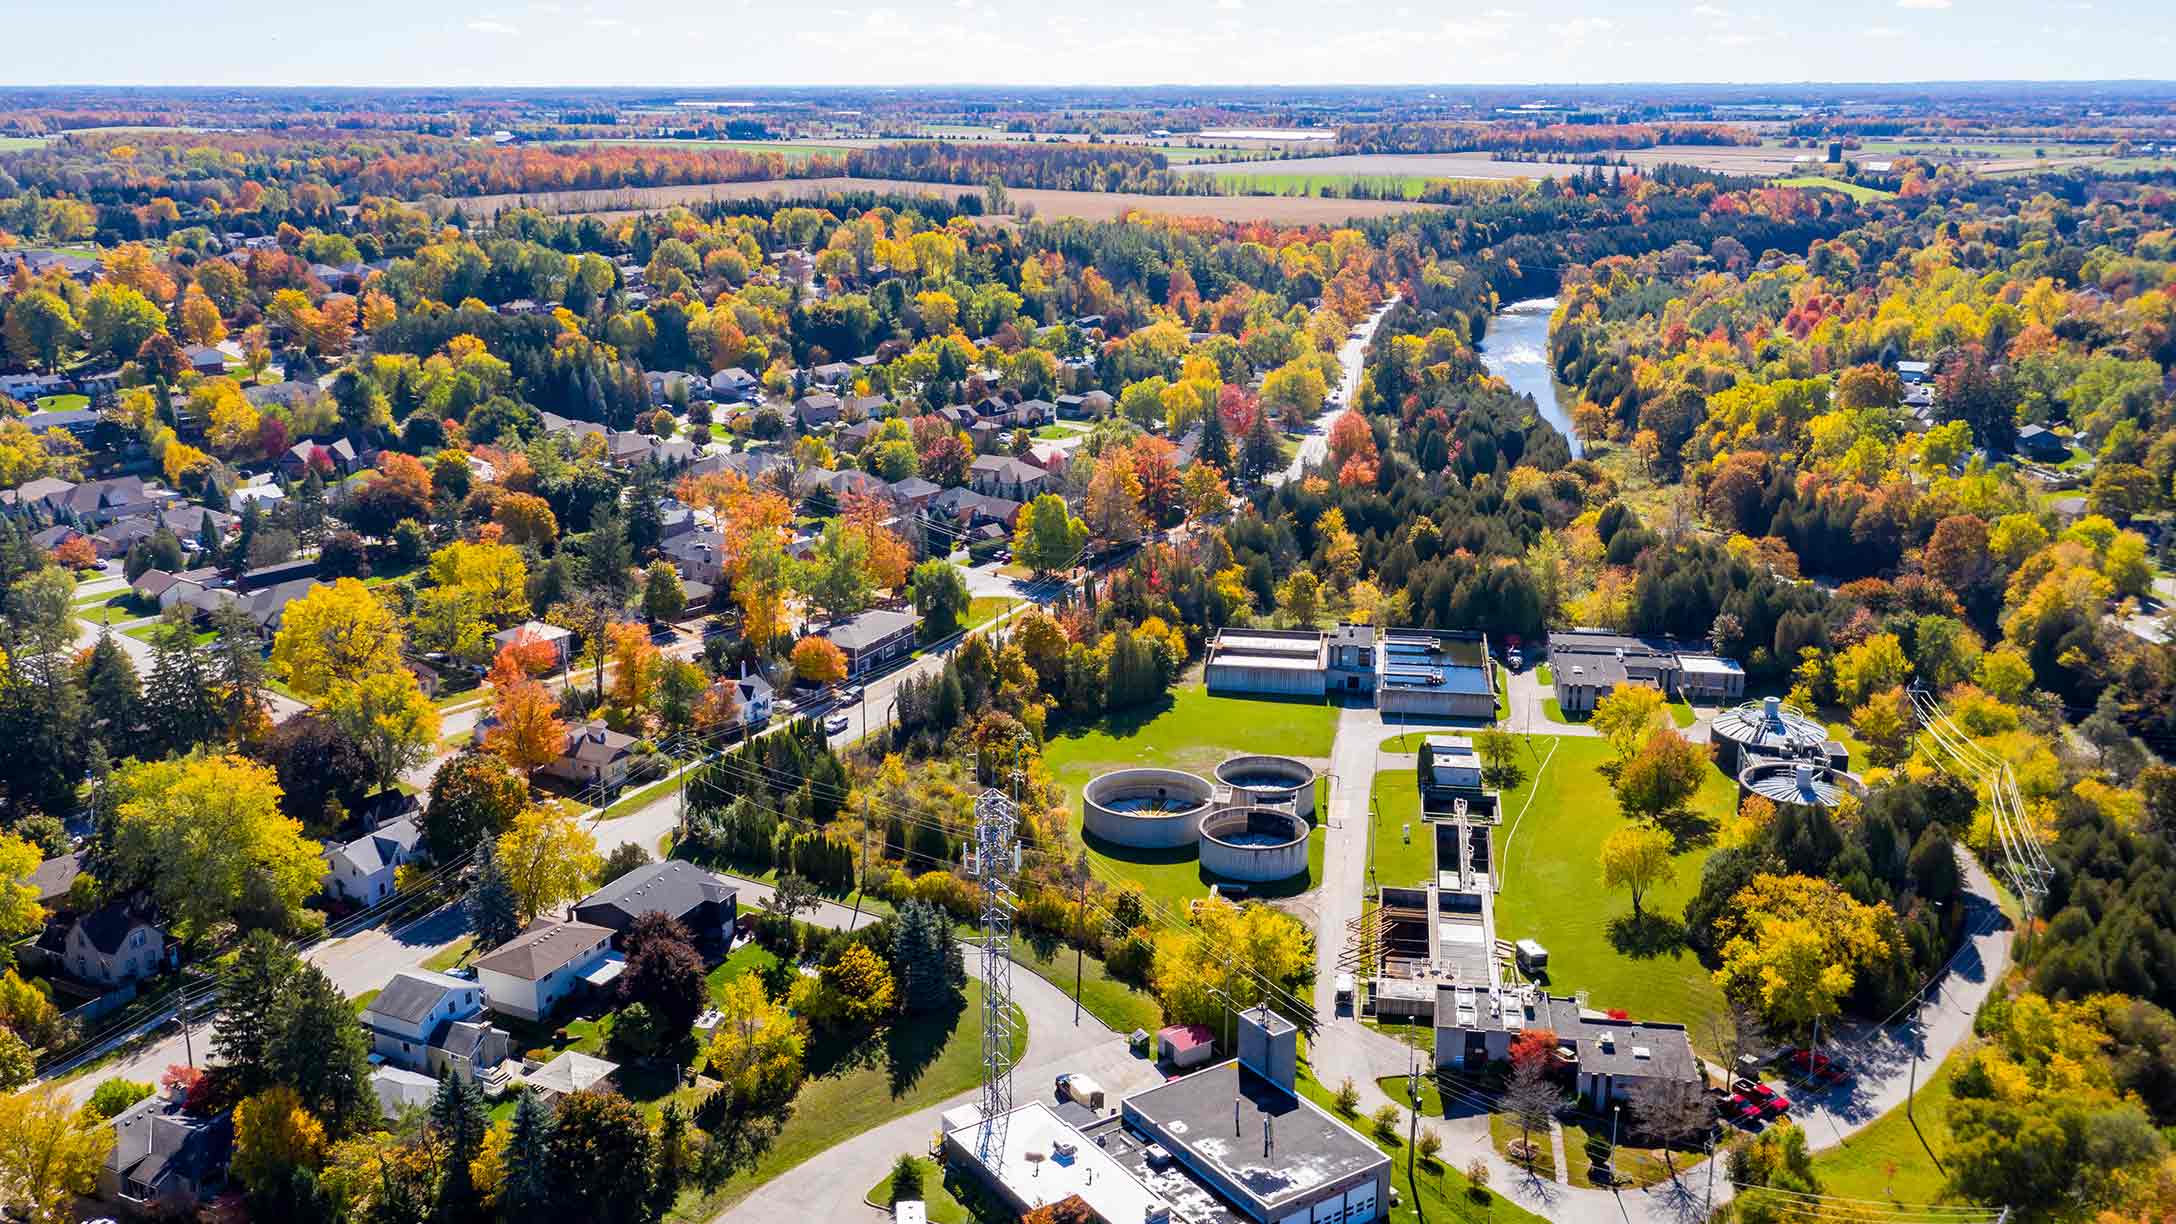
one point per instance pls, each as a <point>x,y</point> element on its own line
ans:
<point>671,887</point>
<point>412,994</point>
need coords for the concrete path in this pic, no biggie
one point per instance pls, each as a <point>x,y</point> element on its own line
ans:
<point>1352,357</point>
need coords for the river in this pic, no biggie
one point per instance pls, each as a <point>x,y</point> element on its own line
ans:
<point>1516,349</point>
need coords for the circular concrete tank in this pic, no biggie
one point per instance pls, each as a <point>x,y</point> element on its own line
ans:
<point>1256,845</point>
<point>1145,809</point>
<point>1272,779</point>
<point>1803,783</point>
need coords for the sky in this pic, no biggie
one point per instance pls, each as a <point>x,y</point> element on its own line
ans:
<point>721,43</point>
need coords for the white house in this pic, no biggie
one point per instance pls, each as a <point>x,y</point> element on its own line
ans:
<point>531,974</point>
<point>362,870</point>
<point>431,1022</point>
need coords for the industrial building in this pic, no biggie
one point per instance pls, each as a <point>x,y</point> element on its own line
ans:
<point>1418,672</point>
<point>1768,730</point>
<point>1586,665</point>
<point>1608,1059</point>
<point>1232,1143</point>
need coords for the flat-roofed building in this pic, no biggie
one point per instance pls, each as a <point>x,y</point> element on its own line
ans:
<point>1274,662</point>
<point>1435,674</point>
<point>1587,665</point>
<point>1045,1162</point>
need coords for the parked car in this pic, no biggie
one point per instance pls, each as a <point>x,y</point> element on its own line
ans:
<point>1776,1105</point>
<point>835,724</point>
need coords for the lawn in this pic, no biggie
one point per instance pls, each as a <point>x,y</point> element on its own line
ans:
<point>1857,191</point>
<point>451,956</point>
<point>114,609</point>
<point>1889,1161</point>
<point>1191,730</point>
<point>939,1205</point>
<point>986,608</point>
<point>63,403</point>
<point>1401,846</point>
<point>748,958</point>
<point>1119,1006</point>
<point>854,1085</point>
<point>150,633</point>
<point>1541,673</point>
<point>1274,182</point>
<point>1058,433</point>
<point>1587,1152</point>
<point>1435,1192</point>
<point>16,144</point>
<point>1548,853</point>
<point>1681,713</point>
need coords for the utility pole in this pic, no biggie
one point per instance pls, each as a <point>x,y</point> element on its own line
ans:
<point>1080,916</point>
<point>1412,1095</point>
<point>858,884</point>
<point>188,1047</point>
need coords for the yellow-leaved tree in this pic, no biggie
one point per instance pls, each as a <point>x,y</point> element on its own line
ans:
<point>549,858</point>
<point>491,572</point>
<point>336,631</point>
<point>1193,967</point>
<point>206,836</point>
<point>387,715</point>
<point>1793,947</point>
<point>50,1154</point>
<point>758,1044</point>
<point>273,1136</point>
<point>1637,858</point>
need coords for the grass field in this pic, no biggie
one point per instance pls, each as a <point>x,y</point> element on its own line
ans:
<point>1401,849</point>
<point>63,403</point>
<point>856,1084</point>
<point>1189,730</point>
<point>986,608</point>
<point>1890,1161</point>
<point>1392,186</point>
<point>1857,191</point>
<point>17,144</point>
<point>1549,852</point>
<point>1120,1007</point>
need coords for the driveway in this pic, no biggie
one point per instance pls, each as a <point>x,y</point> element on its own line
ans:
<point>1315,444</point>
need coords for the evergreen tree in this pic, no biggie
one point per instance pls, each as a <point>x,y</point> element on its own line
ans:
<point>645,522</point>
<point>209,538</point>
<point>1216,445</point>
<point>1258,449</point>
<point>178,698</point>
<point>242,1033</point>
<point>237,665</point>
<point>112,689</point>
<point>672,1159</point>
<point>491,905</point>
<point>527,1194</point>
<point>458,1120</point>
<point>608,557</point>
<point>922,946</point>
<point>317,1049</point>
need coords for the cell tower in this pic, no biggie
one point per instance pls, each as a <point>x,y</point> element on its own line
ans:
<point>996,857</point>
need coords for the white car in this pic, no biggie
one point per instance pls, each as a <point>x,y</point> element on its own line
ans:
<point>835,724</point>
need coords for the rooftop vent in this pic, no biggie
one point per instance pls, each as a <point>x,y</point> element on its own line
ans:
<point>1771,708</point>
<point>1642,1052</point>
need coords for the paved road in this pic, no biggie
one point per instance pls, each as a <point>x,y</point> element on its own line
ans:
<point>1315,444</point>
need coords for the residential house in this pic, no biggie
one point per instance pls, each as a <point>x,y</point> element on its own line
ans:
<point>162,1153</point>
<point>840,485</point>
<point>1048,456</point>
<point>400,1090</point>
<point>92,503</point>
<point>816,410</point>
<point>362,870</point>
<point>756,699</point>
<point>340,458</point>
<point>913,494</point>
<point>561,641</point>
<point>990,437</point>
<point>699,555</point>
<point>703,903</point>
<point>735,385</point>
<point>831,374</point>
<point>856,436</point>
<point>1072,407</point>
<point>664,385</point>
<point>77,423</point>
<point>55,877</point>
<point>204,359</point>
<point>872,639</point>
<point>1005,476</point>
<point>432,1023</point>
<point>117,942</point>
<point>528,976</point>
<point>166,590</point>
<point>2039,443</point>
<point>594,756</point>
<point>577,430</point>
<point>279,394</point>
<point>1030,413</point>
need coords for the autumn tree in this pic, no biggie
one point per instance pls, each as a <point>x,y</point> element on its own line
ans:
<point>818,661</point>
<point>1048,537</point>
<point>549,857</point>
<point>1663,778</point>
<point>335,631</point>
<point>1637,858</point>
<point>273,1137</point>
<point>386,715</point>
<point>473,796</point>
<point>50,1154</point>
<point>1227,959</point>
<point>206,836</point>
<point>757,1047</point>
<point>1626,715</point>
<point>1794,946</point>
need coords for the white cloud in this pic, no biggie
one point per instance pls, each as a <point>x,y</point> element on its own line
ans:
<point>492,27</point>
<point>1710,12</point>
<point>604,23</point>
<point>1231,5</point>
<point>1923,4</point>
<point>1582,27</point>
<point>1498,14</point>
<point>1734,40</point>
